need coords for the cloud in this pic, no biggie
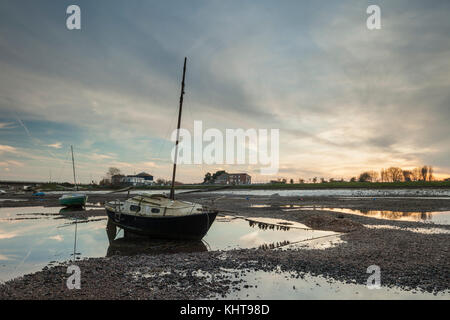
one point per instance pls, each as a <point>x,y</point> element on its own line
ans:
<point>100,157</point>
<point>4,257</point>
<point>56,145</point>
<point>150,164</point>
<point>8,163</point>
<point>344,98</point>
<point>7,235</point>
<point>7,125</point>
<point>58,238</point>
<point>251,239</point>
<point>9,149</point>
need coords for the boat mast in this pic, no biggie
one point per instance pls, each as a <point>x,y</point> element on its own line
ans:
<point>73,166</point>
<point>172,193</point>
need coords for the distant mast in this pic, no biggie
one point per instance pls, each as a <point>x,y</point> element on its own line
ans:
<point>172,191</point>
<point>73,166</point>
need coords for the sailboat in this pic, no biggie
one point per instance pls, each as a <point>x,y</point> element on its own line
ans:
<point>159,216</point>
<point>73,199</point>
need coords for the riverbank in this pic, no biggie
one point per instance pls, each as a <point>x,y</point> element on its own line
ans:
<point>412,255</point>
<point>263,186</point>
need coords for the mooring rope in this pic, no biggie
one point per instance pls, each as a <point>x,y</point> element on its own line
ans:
<point>250,219</point>
<point>287,244</point>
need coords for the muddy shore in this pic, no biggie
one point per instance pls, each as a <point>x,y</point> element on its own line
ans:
<point>410,260</point>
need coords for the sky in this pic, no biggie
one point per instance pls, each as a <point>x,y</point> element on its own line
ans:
<point>345,98</point>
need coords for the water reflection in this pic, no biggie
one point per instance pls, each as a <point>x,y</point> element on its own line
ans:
<point>29,245</point>
<point>227,233</point>
<point>267,226</point>
<point>290,206</point>
<point>342,192</point>
<point>440,217</point>
<point>260,206</point>
<point>132,244</point>
<point>274,245</point>
<point>278,284</point>
<point>397,215</point>
<point>67,210</point>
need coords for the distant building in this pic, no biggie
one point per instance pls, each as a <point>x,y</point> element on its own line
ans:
<point>117,179</point>
<point>239,178</point>
<point>141,179</point>
<point>133,180</point>
<point>221,179</point>
<point>147,177</point>
<point>233,178</point>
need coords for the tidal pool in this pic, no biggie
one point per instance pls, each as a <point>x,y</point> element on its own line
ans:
<point>437,217</point>
<point>33,237</point>
<point>278,285</point>
<point>417,193</point>
<point>27,245</point>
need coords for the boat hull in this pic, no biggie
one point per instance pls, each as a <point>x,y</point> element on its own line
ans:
<point>73,201</point>
<point>188,227</point>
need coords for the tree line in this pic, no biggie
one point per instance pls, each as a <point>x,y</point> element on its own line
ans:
<point>392,174</point>
<point>396,174</point>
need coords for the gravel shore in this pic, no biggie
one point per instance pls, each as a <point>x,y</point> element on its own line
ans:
<point>411,260</point>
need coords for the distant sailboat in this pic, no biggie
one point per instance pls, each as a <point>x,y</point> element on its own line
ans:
<point>157,216</point>
<point>73,199</point>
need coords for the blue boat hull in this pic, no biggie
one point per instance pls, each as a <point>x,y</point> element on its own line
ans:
<point>189,227</point>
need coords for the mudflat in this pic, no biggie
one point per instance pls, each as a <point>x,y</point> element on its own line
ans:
<point>412,252</point>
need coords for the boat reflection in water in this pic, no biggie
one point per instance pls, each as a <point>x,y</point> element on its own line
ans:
<point>69,210</point>
<point>133,244</point>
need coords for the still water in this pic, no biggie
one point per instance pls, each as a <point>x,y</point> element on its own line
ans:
<point>285,286</point>
<point>33,237</point>
<point>416,193</point>
<point>437,217</point>
<point>413,192</point>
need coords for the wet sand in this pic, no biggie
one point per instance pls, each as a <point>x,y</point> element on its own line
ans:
<point>410,260</point>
